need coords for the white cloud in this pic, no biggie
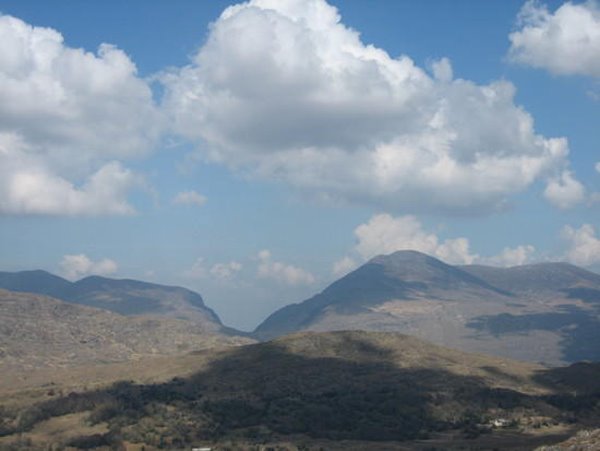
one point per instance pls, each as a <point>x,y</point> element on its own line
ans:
<point>565,42</point>
<point>221,271</point>
<point>384,234</point>
<point>225,271</point>
<point>343,266</point>
<point>584,246</point>
<point>189,198</point>
<point>598,167</point>
<point>282,272</point>
<point>564,191</point>
<point>74,267</point>
<point>30,188</point>
<point>519,255</point>
<point>298,97</point>
<point>442,70</point>
<point>68,116</point>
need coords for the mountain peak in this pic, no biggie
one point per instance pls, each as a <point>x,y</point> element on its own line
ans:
<point>504,311</point>
<point>404,256</point>
<point>413,266</point>
<point>34,281</point>
<point>31,273</point>
<point>401,276</point>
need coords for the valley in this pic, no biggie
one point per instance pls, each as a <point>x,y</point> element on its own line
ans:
<point>117,364</point>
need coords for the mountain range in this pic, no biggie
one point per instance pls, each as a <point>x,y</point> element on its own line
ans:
<point>123,296</point>
<point>547,312</point>
<point>38,331</point>
<point>48,321</point>
<point>105,364</point>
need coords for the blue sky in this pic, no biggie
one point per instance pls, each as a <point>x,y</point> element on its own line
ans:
<point>259,158</point>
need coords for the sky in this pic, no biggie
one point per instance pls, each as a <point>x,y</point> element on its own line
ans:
<point>256,152</point>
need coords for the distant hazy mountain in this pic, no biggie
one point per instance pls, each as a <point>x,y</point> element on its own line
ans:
<point>547,312</point>
<point>39,331</point>
<point>126,297</point>
<point>540,280</point>
<point>40,282</point>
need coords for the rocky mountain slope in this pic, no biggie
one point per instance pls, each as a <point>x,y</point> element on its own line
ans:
<point>543,313</point>
<point>541,280</point>
<point>126,297</point>
<point>340,390</point>
<point>39,331</point>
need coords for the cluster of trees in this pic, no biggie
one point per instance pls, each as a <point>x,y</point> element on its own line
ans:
<point>323,399</point>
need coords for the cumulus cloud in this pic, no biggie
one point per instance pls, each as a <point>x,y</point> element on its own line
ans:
<point>584,246</point>
<point>225,271</point>
<point>564,191</point>
<point>566,42</point>
<point>220,271</point>
<point>189,198</point>
<point>511,256</point>
<point>284,89</point>
<point>74,267</point>
<point>385,234</point>
<point>68,117</point>
<point>282,272</point>
<point>28,187</point>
